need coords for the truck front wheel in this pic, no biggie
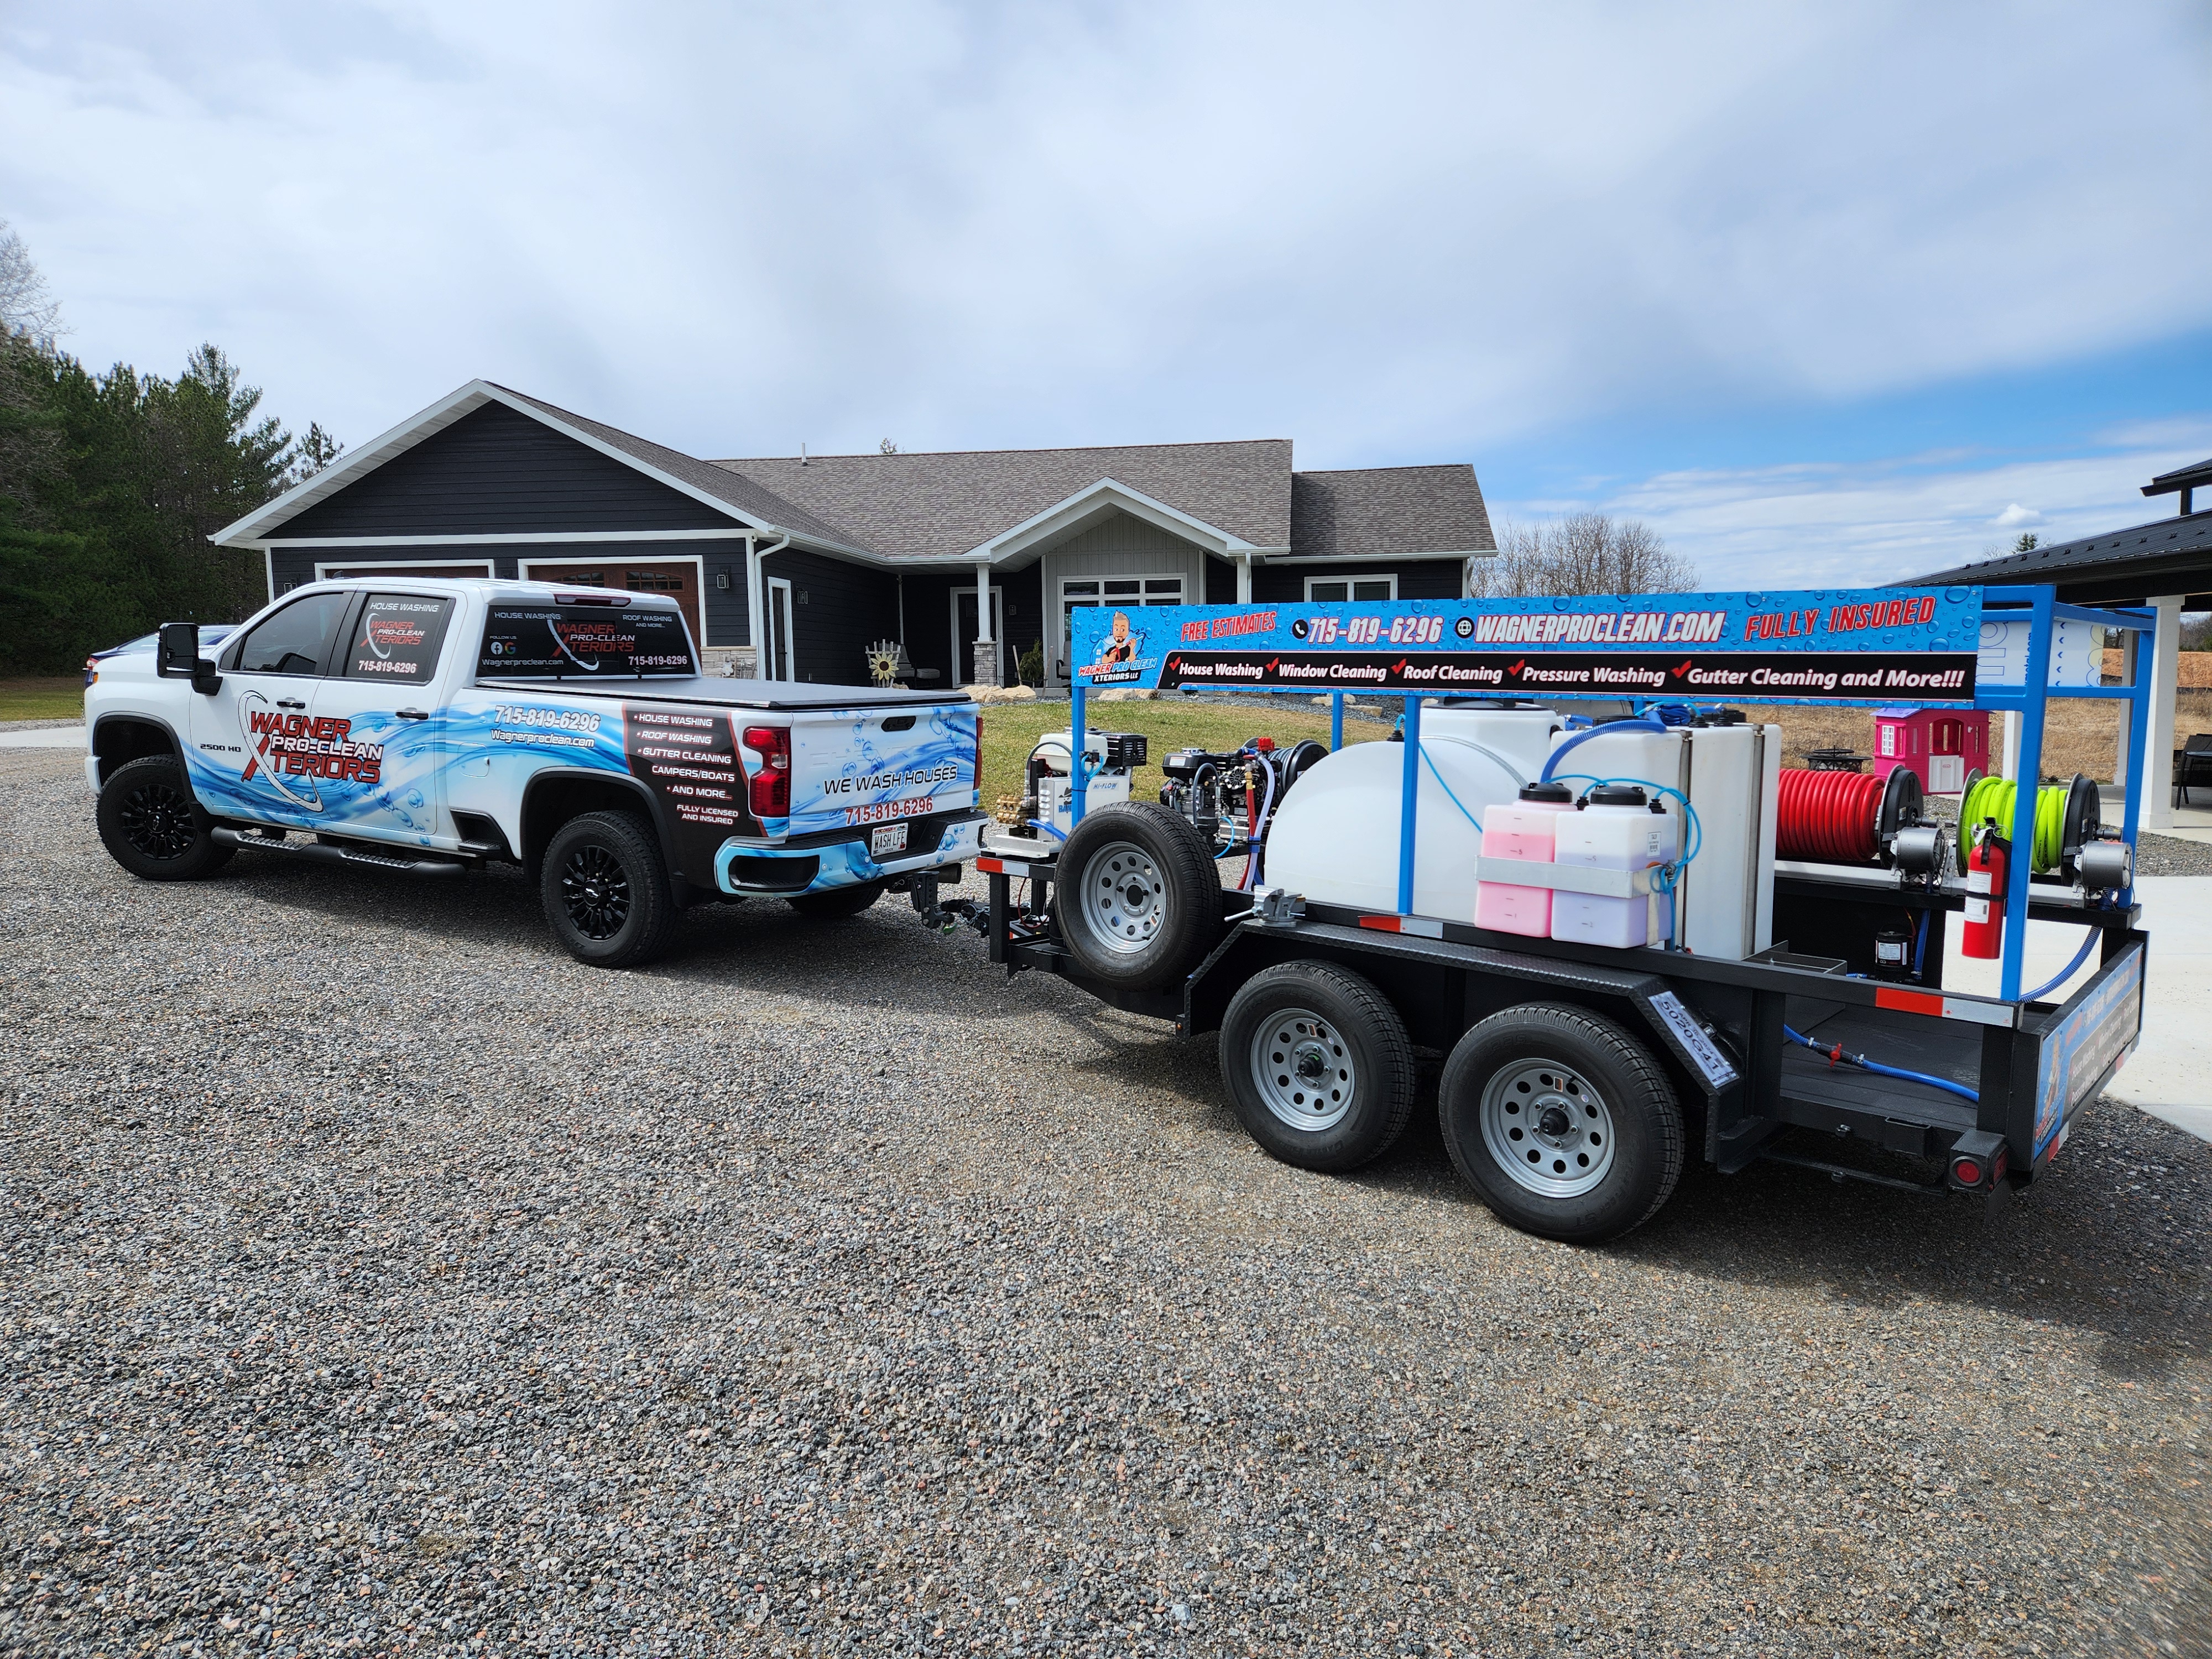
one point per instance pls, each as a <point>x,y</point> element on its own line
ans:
<point>1563,1122</point>
<point>606,891</point>
<point>152,826</point>
<point>1318,1065</point>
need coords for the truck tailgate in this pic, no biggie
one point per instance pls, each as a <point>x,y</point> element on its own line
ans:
<point>870,766</point>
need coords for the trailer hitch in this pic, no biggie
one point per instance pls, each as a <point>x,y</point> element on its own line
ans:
<point>921,893</point>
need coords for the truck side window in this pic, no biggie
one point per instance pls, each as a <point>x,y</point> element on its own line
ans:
<point>295,641</point>
<point>397,638</point>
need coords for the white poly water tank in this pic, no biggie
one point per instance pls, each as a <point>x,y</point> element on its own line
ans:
<point>1334,839</point>
<point>1521,739</point>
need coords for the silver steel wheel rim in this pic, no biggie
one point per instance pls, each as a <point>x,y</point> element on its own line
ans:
<point>1124,902</point>
<point>1546,1126</point>
<point>1304,1069</point>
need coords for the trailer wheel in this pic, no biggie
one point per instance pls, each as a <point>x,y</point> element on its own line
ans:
<point>606,891</point>
<point>1563,1122</point>
<point>1138,903</point>
<point>1318,1065</point>
<point>152,825</point>
<point>837,902</point>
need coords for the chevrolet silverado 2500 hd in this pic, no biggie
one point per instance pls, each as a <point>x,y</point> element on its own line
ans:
<point>432,726</point>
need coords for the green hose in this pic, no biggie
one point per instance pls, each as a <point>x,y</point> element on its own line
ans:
<point>1993,797</point>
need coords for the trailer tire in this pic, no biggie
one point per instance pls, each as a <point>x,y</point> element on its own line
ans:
<point>606,891</point>
<point>1318,1065</point>
<point>153,827</point>
<point>1138,903</point>
<point>1565,1125</point>
<point>836,904</point>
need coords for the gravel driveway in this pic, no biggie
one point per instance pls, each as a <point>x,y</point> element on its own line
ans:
<point>378,1279</point>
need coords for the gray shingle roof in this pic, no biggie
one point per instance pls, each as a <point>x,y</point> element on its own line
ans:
<point>2175,544</point>
<point>1389,509</point>
<point>935,505</point>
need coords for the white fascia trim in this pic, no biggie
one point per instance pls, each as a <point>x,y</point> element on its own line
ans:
<point>1378,558</point>
<point>735,533</point>
<point>1085,502</point>
<point>404,436</point>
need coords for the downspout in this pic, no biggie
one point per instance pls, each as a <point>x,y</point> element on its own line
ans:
<point>756,593</point>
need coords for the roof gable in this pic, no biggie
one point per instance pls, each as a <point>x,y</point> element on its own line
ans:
<point>947,504</point>
<point>1378,511</point>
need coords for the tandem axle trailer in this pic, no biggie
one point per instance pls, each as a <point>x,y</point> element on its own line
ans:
<point>1577,1078</point>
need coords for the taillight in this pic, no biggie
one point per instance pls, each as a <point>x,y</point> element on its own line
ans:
<point>768,790</point>
<point>1966,1171</point>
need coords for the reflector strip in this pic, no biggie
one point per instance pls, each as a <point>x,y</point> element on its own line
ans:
<point>1937,1006</point>
<point>1001,867</point>
<point>1420,926</point>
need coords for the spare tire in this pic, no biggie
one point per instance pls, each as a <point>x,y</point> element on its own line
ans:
<point>1138,903</point>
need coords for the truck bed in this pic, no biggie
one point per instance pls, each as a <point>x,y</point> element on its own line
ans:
<point>724,693</point>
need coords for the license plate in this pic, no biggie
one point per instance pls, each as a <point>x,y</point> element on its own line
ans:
<point>886,838</point>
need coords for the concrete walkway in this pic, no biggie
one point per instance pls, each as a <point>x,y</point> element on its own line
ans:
<point>50,737</point>
<point>2170,1073</point>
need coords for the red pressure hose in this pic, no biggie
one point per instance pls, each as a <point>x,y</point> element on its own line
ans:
<point>1829,816</point>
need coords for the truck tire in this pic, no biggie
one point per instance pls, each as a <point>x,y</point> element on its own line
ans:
<point>1138,903</point>
<point>152,825</point>
<point>1318,1065</point>
<point>1565,1125</point>
<point>606,891</point>
<point>837,902</point>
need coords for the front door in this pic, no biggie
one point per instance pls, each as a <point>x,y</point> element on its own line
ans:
<point>963,634</point>
<point>778,660</point>
<point>677,578</point>
<point>377,717</point>
<point>253,748</point>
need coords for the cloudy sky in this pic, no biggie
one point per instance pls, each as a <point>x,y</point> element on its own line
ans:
<point>1863,288</point>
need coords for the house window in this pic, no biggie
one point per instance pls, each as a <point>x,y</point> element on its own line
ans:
<point>1122,592</point>
<point>1350,590</point>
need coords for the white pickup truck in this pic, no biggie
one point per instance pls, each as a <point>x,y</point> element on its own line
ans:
<point>433,726</point>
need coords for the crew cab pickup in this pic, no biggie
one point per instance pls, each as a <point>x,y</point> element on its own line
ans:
<point>433,726</point>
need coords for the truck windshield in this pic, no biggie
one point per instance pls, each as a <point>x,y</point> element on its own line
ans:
<point>560,640</point>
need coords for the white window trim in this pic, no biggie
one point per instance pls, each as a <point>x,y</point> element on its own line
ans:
<point>1348,577</point>
<point>1057,669</point>
<point>327,571</point>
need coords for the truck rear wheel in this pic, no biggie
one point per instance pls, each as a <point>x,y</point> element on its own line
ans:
<point>1565,1125</point>
<point>1138,903</point>
<point>837,902</point>
<point>1318,1065</point>
<point>152,826</point>
<point>606,891</point>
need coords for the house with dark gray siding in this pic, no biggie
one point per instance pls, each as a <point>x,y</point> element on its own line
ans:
<point>792,567</point>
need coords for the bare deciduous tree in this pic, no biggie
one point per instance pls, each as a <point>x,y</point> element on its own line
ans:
<point>1582,553</point>
<point>27,311</point>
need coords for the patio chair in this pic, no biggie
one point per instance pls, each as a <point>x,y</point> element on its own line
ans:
<point>2192,768</point>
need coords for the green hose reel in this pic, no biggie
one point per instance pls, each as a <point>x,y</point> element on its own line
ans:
<point>2068,817</point>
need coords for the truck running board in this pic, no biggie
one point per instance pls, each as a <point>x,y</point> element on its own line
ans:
<point>324,854</point>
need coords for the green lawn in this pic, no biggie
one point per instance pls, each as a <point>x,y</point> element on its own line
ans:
<point>56,699</point>
<point>1011,731</point>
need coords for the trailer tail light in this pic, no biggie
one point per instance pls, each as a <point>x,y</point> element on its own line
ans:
<point>769,789</point>
<point>1966,1171</point>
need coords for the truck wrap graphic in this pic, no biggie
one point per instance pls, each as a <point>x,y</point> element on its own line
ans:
<point>869,769</point>
<point>688,757</point>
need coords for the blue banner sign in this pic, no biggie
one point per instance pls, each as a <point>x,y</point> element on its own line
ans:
<point>1854,645</point>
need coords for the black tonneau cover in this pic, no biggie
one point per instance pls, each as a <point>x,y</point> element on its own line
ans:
<point>728,693</point>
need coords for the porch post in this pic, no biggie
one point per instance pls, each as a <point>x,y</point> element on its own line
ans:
<point>986,648</point>
<point>1244,580</point>
<point>2165,680</point>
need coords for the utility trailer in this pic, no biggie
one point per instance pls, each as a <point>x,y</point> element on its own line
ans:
<point>1577,1077</point>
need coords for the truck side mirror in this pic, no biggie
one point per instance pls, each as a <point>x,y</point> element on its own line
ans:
<point>177,656</point>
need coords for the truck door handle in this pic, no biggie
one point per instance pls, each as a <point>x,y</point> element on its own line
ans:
<point>413,713</point>
<point>289,702</point>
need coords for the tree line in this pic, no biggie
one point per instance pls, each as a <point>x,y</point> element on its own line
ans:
<point>110,483</point>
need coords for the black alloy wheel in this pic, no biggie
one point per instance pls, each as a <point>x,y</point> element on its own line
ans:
<point>595,889</point>
<point>152,826</point>
<point>606,890</point>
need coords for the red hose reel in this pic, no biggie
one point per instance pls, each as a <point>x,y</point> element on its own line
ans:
<point>1843,817</point>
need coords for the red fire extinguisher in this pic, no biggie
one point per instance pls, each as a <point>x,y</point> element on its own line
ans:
<point>1983,934</point>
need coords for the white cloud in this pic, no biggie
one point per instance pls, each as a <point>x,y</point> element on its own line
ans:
<point>2016,515</point>
<point>1819,524</point>
<point>1390,232</point>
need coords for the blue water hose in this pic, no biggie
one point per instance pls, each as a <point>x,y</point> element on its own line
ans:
<point>2067,972</point>
<point>1642,723</point>
<point>1836,1052</point>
